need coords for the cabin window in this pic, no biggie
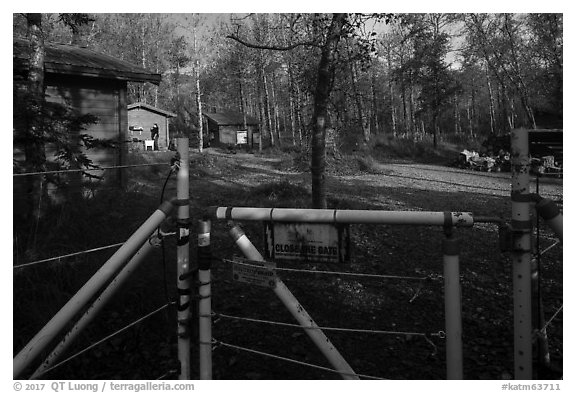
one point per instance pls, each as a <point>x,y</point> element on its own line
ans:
<point>135,129</point>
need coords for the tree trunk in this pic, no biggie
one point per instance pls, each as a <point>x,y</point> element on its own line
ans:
<point>469,118</point>
<point>391,92</point>
<point>412,104</point>
<point>491,100</point>
<point>275,110</point>
<point>435,130</point>
<point>299,123</point>
<point>34,149</point>
<point>199,108</point>
<point>357,99</point>
<point>198,98</point>
<point>267,108</point>
<point>261,117</point>
<point>292,105</point>
<point>326,70</point>
<point>374,123</point>
<point>292,119</point>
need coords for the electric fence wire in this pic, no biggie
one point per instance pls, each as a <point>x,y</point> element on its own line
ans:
<point>547,249</point>
<point>239,348</point>
<point>165,306</point>
<point>103,340</point>
<point>551,319</point>
<point>22,265</point>
<point>439,334</point>
<point>167,374</point>
<point>350,274</point>
<point>86,169</point>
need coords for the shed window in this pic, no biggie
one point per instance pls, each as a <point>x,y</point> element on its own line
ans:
<point>135,128</point>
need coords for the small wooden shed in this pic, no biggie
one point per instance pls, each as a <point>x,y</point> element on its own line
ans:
<point>141,118</point>
<point>91,83</point>
<point>227,129</point>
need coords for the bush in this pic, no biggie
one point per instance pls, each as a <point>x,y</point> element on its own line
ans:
<point>280,194</point>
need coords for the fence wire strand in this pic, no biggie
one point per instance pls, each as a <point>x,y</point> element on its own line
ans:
<point>557,242</point>
<point>239,348</point>
<point>88,169</point>
<point>440,334</point>
<point>551,319</point>
<point>67,256</point>
<point>335,273</point>
<point>167,374</point>
<point>107,338</point>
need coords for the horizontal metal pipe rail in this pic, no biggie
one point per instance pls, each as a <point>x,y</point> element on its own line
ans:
<point>456,219</point>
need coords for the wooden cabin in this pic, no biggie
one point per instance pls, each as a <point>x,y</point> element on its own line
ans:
<point>141,118</point>
<point>91,83</point>
<point>227,129</point>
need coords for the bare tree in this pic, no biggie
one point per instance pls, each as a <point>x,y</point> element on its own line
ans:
<point>328,44</point>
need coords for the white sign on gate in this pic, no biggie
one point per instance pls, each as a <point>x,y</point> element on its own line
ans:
<point>307,242</point>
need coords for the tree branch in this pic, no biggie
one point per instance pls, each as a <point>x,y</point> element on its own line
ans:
<point>273,47</point>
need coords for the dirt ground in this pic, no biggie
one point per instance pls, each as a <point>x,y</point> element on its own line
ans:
<point>410,311</point>
<point>395,305</point>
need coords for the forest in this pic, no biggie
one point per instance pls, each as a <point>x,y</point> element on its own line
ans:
<point>347,82</point>
<point>399,75</point>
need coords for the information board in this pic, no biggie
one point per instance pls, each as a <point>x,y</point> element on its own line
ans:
<point>307,242</point>
<point>241,137</point>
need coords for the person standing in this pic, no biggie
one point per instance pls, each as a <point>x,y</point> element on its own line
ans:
<point>155,135</point>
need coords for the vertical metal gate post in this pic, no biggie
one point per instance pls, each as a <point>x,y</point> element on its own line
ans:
<point>521,254</point>
<point>39,342</point>
<point>94,309</point>
<point>297,311</point>
<point>452,307</point>
<point>183,258</point>
<point>205,301</point>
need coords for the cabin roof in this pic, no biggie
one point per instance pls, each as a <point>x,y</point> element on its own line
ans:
<point>142,105</point>
<point>231,118</point>
<point>75,60</point>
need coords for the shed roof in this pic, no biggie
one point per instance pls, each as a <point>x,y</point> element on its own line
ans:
<point>231,118</point>
<point>74,60</point>
<point>143,105</point>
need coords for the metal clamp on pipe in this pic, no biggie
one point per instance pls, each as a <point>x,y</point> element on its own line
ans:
<point>175,163</point>
<point>549,211</point>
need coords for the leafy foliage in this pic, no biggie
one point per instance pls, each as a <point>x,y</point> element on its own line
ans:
<point>60,129</point>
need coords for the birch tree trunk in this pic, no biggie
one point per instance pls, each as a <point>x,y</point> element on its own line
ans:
<point>275,110</point>
<point>267,107</point>
<point>198,95</point>
<point>491,102</point>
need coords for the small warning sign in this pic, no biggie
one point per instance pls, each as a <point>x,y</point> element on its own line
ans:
<point>254,272</point>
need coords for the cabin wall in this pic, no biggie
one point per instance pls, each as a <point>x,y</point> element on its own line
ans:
<point>105,99</point>
<point>145,118</point>
<point>228,135</point>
